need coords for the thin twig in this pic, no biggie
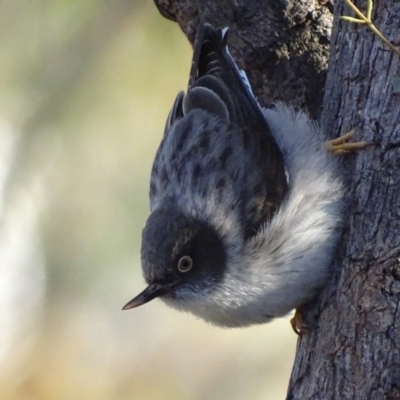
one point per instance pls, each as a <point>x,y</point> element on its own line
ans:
<point>366,19</point>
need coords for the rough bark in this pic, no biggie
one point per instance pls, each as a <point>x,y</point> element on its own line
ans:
<point>283,46</point>
<point>354,353</point>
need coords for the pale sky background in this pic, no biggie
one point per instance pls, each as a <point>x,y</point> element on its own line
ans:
<point>85,89</point>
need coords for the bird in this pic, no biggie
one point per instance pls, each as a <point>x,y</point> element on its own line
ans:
<point>246,203</point>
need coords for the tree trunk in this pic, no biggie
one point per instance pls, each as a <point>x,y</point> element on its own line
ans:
<point>354,353</point>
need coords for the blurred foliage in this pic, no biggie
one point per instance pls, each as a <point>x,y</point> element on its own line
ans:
<point>86,86</point>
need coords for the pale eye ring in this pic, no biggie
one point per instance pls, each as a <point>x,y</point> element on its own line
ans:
<point>185,264</point>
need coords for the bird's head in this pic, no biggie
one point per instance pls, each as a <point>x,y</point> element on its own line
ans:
<point>182,258</point>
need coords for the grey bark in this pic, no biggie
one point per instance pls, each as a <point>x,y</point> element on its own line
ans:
<point>354,353</point>
<point>283,46</point>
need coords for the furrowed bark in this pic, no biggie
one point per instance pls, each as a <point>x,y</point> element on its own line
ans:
<point>283,47</point>
<point>355,352</point>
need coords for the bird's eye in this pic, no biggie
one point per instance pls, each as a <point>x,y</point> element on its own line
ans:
<point>185,264</point>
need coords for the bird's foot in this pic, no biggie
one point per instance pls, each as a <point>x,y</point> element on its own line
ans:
<point>305,319</point>
<point>298,323</point>
<point>341,145</point>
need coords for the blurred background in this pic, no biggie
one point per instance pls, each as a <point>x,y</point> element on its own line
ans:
<point>85,89</point>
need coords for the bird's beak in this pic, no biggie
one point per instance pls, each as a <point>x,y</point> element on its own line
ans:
<point>151,292</point>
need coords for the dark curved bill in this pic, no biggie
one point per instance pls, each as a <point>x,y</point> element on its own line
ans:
<point>151,292</point>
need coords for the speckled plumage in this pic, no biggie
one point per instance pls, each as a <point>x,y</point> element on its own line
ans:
<point>249,194</point>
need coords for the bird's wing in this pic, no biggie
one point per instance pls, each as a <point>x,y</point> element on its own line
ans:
<point>176,112</point>
<point>219,87</point>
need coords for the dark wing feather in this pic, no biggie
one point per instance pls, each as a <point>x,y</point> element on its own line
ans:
<point>217,87</point>
<point>217,71</point>
<point>176,111</point>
